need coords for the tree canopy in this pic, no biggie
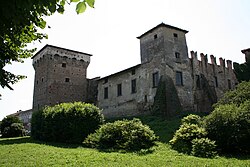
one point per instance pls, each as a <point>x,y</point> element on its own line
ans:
<point>19,25</point>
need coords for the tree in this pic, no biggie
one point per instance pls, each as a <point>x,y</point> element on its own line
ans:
<point>12,126</point>
<point>19,24</point>
<point>242,71</point>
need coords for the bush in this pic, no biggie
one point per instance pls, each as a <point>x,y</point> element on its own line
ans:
<point>182,140</point>
<point>203,147</point>
<point>12,126</point>
<point>191,119</point>
<point>237,96</point>
<point>126,135</point>
<point>229,126</point>
<point>66,122</point>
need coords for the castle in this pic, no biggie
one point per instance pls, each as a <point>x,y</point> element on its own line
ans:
<point>190,83</point>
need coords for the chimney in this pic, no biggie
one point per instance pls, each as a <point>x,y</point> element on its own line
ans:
<point>222,62</point>
<point>229,64</point>
<point>213,60</point>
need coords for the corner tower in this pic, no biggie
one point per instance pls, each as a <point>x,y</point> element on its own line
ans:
<point>60,76</point>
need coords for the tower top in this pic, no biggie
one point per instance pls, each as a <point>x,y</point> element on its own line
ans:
<point>162,25</point>
<point>55,50</point>
<point>247,54</point>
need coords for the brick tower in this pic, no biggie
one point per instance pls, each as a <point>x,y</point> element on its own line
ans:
<point>60,76</point>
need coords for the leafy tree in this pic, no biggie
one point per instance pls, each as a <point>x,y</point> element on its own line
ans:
<point>12,126</point>
<point>242,71</point>
<point>19,25</point>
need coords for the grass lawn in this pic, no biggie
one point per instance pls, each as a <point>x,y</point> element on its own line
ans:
<point>27,152</point>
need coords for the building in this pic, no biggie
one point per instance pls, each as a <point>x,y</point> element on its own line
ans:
<point>191,83</point>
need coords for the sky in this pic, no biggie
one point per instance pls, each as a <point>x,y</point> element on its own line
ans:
<point>109,31</point>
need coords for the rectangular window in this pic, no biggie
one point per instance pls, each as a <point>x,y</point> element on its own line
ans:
<point>229,84</point>
<point>106,80</point>
<point>119,89</point>
<point>133,86</point>
<point>198,82</point>
<point>66,79</point>
<point>64,65</point>
<point>133,72</point>
<point>178,78</point>
<point>177,55</point>
<point>155,79</point>
<point>106,92</point>
<point>215,82</point>
<point>175,35</point>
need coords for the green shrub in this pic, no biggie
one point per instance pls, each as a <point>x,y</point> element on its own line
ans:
<point>12,127</point>
<point>126,135</point>
<point>191,119</point>
<point>203,147</point>
<point>66,122</point>
<point>229,126</point>
<point>236,96</point>
<point>182,140</point>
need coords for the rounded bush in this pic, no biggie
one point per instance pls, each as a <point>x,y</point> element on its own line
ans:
<point>66,122</point>
<point>191,119</point>
<point>125,135</point>
<point>229,126</point>
<point>203,147</point>
<point>12,126</point>
<point>182,140</point>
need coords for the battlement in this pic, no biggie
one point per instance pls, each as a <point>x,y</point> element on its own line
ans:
<point>204,60</point>
<point>62,52</point>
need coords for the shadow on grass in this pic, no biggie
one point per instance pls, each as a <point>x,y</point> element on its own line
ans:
<point>141,152</point>
<point>22,140</point>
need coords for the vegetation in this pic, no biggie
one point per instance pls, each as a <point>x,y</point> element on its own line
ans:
<point>11,126</point>
<point>242,71</point>
<point>126,135</point>
<point>29,152</point>
<point>19,25</point>
<point>203,147</point>
<point>66,122</point>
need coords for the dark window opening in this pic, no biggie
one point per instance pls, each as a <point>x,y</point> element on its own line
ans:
<point>66,79</point>
<point>155,79</point>
<point>133,86</point>
<point>42,79</point>
<point>155,36</point>
<point>106,80</point>
<point>177,55</point>
<point>119,89</point>
<point>106,93</point>
<point>198,82</point>
<point>64,65</point>
<point>133,72</point>
<point>179,80</point>
<point>216,82</point>
<point>37,82</point>
<point>145,98</point>
<point>229,84</point>
<point>175,35</point>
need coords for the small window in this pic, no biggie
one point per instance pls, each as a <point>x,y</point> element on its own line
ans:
<point>133,86</point>
<point>229,84</point>
<point>177,55</point>
<point>178,78</point>
<point>119,89</point>
<point>106,80</point>
<point>66,79</point>
<point>42,79</point>
<point>64,65</point>
<point>106,91</point>
<point>155,36</point>
<point>215,82</point>
<point>198,82</point>
<point>175,35</point>
<point>37,82</point>
<point>155,79</point>
<point>133,72</point>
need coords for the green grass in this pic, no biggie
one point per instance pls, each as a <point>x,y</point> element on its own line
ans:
<point>27,152</point>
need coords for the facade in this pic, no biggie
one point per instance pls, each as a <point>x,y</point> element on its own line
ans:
<point>191,82</point>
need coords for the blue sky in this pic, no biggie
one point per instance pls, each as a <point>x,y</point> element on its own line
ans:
<point>218,27</point>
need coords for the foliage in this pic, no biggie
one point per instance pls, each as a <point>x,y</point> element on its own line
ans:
<point>126,135</point>
<point>242,71</point>
<point>66,122</point>
<point>12,126</point>
<point>182,140</point>
<point>229,126</point>
<point>191,119</point>
<point>237,96</point>
<point>203,147</point>
<point>19,25</point>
